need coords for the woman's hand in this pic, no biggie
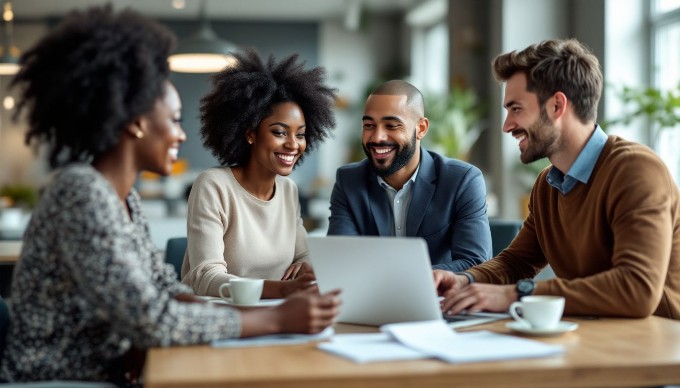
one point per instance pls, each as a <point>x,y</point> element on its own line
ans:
<point>306,282</point>
<point>305,312</point>
<point>283,288</point>
<point>297,269</point>
<point>188,298</point>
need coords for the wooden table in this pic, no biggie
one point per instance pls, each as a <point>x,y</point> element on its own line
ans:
<point>9,251</point>
<point>601,353</point>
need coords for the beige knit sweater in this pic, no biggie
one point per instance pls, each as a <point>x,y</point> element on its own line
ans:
<point>234,234</point>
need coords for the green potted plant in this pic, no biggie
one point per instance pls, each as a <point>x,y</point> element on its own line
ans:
<point>455,122</point>
<point>20,195</point>
<point>661,108</point>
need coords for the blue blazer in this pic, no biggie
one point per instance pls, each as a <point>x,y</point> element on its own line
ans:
<point>448,209</point>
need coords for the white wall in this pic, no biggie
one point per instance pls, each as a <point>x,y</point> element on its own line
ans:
<point>626,51</point>
<point>523,22</point>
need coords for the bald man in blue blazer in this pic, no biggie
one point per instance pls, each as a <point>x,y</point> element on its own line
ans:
<point>401,189</point>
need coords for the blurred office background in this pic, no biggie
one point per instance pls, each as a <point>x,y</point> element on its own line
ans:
<point>444,47</point>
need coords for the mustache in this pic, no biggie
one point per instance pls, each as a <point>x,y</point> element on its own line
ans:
<point>381,144</point>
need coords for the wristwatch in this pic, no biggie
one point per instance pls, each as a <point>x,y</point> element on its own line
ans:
<point>525,287</point>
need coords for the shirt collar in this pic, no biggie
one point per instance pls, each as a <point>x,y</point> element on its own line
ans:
<point>584,164</point>
<point>386,185</point>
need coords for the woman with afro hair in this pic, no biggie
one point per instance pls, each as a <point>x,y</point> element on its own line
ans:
<point>244,217</point>
<point>90,292</point>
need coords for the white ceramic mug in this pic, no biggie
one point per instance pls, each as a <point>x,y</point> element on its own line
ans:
<point>243,290</point>
<point>539,311</point>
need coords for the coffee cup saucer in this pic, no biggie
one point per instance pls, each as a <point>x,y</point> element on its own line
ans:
<point>259,303</point>
<point>523,328</point>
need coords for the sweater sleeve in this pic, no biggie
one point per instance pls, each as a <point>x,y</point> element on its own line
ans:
<point>112,278</point>
<point>639,212</point>
<point>523,259</point>
<point>207,221</point>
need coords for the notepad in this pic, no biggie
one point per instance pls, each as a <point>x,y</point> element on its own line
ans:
<point>434,339</point>
<point>274,339</point>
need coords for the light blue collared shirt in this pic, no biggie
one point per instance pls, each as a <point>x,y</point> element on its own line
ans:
<point>583,166</point>
<point>400,201</point>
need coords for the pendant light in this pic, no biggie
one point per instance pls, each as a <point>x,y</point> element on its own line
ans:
<point>202,52</point>
<point>9,54</point>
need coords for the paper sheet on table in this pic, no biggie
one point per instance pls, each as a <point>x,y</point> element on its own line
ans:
<point>437,339</point>
<point>414,340</point>
<point>275,339</point>
<point>370,347</point>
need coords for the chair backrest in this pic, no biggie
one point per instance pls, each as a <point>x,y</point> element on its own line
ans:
<point>502,233</point>
<point>174,253</point>
<point>4,325</point>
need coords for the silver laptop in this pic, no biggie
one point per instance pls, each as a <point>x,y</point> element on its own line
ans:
<point>383,279</point>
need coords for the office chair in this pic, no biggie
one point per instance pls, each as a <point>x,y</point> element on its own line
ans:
<point>174,253</point>
<point>502,233</point>
<point>4,325</point>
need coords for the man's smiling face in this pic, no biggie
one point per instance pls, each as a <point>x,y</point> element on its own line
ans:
<point>389,133</point>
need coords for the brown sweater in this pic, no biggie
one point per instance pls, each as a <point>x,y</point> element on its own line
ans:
<point>613,243</point>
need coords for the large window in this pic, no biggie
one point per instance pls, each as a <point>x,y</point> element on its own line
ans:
<point>666,72</point>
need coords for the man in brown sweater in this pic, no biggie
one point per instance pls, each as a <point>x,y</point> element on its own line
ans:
<point>605,215</point>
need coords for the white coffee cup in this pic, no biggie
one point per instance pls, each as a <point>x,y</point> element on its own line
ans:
<point>243,290</point>
<point>539,311</point>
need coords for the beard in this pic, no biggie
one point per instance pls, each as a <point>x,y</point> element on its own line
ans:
<point>542,139</point>
<point>404,155</point>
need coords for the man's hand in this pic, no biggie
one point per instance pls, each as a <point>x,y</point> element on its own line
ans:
<point>297,269</point>
<point>448,283</point>
<point>477,297</point>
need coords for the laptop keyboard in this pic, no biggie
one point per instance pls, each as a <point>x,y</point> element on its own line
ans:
<point>465,320</point>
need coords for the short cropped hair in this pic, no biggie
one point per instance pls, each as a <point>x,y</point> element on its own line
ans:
<point>246,93</point>
<point>89,78</point>
<point>397,87</point>
<point>552,66</point>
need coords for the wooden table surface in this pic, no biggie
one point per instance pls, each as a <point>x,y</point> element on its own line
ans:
<point>9,251</point>
<point>601,353</point>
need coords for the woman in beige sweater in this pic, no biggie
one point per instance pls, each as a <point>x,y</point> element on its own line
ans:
<point>244,218</point>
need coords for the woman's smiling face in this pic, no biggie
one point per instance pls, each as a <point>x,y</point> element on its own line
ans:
<point>279,140</point>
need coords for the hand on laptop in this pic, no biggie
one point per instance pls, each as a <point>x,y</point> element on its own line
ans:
<point>475,297</point>
<point>447,282</point>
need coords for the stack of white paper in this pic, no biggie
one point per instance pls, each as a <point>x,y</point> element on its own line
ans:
<point>416,340</point>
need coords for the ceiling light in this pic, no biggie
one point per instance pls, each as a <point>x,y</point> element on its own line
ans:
<point>202,52</point>
<point>9,54</point>
<point>8,102</point>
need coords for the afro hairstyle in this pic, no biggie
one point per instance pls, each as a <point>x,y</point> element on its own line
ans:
<point>89,78</point>
<point>246,93</point>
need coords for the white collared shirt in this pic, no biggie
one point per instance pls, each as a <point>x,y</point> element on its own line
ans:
<point>400,200</point>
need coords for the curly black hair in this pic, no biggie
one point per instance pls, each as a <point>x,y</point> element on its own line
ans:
<point>246,93</point>
<point>89,78</point>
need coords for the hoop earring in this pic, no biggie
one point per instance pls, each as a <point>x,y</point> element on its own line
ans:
<point>250,141</point>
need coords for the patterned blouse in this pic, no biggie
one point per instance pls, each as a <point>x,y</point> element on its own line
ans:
<point>90,284</point>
